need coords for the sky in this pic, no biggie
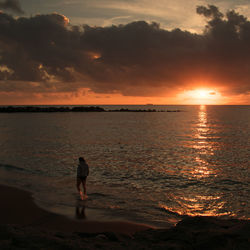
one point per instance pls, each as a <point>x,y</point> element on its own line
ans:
<point>124,52</point>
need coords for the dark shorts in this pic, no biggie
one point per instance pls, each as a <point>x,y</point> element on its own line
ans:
<point>82,178</point>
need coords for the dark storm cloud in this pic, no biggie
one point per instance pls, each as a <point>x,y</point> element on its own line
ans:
<point>12,5</point>
<point>135,59</point>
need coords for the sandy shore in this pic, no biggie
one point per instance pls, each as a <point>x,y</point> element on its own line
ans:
<point>18,207</point>
<point>26,226</point>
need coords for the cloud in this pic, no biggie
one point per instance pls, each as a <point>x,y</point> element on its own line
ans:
<point>46,54</point>
<point>11,5</point>
<point>171,13</point>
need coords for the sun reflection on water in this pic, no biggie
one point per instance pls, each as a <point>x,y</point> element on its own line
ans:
<point>203,146</point>
<point>197,205</point>
<point>195,202</point>
<point>202,130</point>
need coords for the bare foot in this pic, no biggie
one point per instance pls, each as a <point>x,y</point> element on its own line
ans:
<point>81,195</point>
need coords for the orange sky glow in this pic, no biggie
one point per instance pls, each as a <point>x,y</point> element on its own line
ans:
<point>198,96</point>
<point>45,59</point>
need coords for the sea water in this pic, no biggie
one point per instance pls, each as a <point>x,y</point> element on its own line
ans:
<point>148,167</point>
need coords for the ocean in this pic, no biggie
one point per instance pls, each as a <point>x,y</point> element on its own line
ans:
<point>148,167</point>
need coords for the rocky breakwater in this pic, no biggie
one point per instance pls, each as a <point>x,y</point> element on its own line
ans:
<point>37,109</point>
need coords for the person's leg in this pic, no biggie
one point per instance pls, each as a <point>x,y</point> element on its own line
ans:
<point>78,183</point>
<point>84,187</point>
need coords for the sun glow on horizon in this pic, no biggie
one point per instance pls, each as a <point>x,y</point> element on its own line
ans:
<point>201,96</point>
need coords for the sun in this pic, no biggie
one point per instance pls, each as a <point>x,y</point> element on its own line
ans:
<point>201,96</point>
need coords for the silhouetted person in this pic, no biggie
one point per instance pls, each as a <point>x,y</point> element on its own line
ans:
<point>82,173</point>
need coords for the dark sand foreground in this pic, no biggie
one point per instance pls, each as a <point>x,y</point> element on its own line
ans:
<point>23,225</point>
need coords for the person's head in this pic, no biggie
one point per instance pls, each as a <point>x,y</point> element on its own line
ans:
<point>81,159</point>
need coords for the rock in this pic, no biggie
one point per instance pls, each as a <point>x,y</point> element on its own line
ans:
<point>101,237</point>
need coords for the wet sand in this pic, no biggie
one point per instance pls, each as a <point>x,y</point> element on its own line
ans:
<point>23,225</point>
<point>18,207</point>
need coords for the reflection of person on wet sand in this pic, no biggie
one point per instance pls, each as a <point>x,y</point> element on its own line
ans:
<point>82,173</point>
<point>80,212</point>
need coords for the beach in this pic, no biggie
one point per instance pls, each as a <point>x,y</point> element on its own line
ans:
<point>18,208</point>
<point>25,225</point>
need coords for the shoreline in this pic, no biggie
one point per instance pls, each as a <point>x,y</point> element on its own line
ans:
<point>19,208</point>
<point>24,225</point>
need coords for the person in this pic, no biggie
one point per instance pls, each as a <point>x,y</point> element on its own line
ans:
<point>82,173</point>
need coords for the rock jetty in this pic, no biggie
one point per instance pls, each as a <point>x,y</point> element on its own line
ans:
<point>36,109</point>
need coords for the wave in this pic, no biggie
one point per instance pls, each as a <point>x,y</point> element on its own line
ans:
<point>97,195</point>
<point>20,169</point>
<point>171,211</point>
<point>230,182</point>
<point>12,168</point>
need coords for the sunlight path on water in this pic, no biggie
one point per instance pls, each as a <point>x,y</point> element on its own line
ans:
<point>201,201</point>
